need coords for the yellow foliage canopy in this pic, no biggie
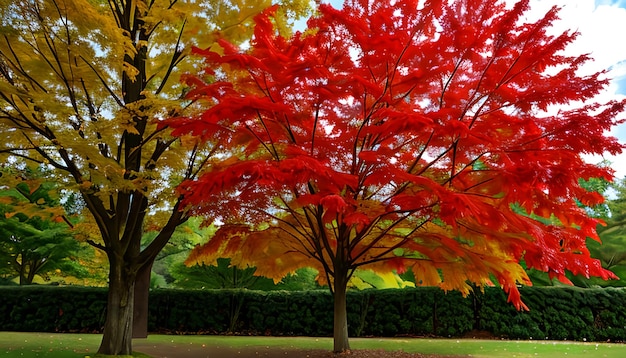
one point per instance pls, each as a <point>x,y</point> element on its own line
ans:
<point>80,78</point>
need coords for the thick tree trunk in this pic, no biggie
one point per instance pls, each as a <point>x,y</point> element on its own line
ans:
<point>340,327</point>
<point>117,337</point>
<point>142,293</point>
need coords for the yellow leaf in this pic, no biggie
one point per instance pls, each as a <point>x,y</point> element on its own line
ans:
<point>130,70</point>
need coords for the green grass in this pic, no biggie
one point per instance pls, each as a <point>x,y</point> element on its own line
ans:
<point>13,344</point>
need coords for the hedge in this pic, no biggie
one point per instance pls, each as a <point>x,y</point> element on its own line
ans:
<point>555,312</point>
<point>52,309</point>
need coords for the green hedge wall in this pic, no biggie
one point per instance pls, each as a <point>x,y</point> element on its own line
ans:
<point>52,309</point>
<point>558,313</point>
<point>555,312</point>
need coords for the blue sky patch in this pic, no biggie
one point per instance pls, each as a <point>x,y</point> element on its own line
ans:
<point>621,84</point>
<point>618,3</point>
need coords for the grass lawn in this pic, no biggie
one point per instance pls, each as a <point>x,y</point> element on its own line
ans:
<point>14,344</point>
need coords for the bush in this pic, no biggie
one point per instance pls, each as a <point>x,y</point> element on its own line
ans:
<point>52,309</point>
<point>555,312</point>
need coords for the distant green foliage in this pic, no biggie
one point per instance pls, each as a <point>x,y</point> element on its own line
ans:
<point>225,276</point>
<point>215,277</point>
<point>35,234</point>
<point>170,271</point>
<point>185,237</point>
<point>611,251</point>
<point>33,248</point>
<point>602,187</point>
<point>366,279</point>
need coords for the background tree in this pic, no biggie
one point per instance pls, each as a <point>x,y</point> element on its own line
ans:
<point>35,234</point>
<point>169,269</point>
<point>34,247</point>
<point>396,135</point>
<point>177,249</point>
<point>82,85</point>
<point>611,251</point>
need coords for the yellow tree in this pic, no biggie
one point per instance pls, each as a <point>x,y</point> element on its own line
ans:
<point>82,85</point>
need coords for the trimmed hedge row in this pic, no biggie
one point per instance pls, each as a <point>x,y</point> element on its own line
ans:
<point>555,313</point>
<point>52,309</point>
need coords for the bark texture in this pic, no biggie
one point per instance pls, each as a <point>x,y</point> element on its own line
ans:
<point>340,325</point>
<point>117,337</point>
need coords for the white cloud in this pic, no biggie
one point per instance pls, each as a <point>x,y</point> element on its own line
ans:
<point>600,23</point>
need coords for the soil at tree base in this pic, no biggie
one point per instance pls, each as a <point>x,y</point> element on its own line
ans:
<point>199,351</point>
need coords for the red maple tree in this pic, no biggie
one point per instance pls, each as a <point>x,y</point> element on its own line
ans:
<point>393,135</point>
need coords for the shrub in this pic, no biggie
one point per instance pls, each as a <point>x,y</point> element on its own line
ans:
<point>555,312</point>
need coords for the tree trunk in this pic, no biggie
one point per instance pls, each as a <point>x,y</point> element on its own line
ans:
<point>340,327</point>
<point>31,275</point>
<point>117,337</point>
<point>142,293</point>
<point>22,275</point>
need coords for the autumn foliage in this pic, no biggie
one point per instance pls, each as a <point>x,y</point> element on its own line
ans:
<point>83,85</point>
<point>396,136</point>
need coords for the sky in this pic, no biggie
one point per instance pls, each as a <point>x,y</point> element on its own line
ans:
<point>602,26</point>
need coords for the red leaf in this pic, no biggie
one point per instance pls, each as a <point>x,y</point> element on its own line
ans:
<point>333,205</point>
<point>405,125</point>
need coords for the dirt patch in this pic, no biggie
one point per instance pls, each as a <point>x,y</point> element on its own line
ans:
<point>476,334</point>
<point>202,351</point>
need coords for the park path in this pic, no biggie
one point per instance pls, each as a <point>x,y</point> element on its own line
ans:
<point>173,350</point>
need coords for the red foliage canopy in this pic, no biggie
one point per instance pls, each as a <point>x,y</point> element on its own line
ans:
<point>398,136</point>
